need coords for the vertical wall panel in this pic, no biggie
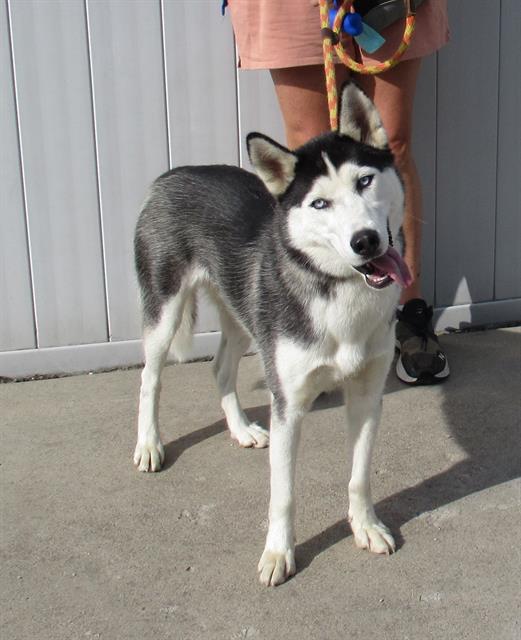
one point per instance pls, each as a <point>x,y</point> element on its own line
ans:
<point>508,231</point>
<point>130,114</point>
<point>201,83</point>
<point>467,141</point>
<point>424,146</point>
<point>16,315</point>
<point>259,109</point>
<point>51,66</point>
<point>202,94</point>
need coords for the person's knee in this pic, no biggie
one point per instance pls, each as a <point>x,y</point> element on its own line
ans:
<point>300,131</point>
<point>401,146</point>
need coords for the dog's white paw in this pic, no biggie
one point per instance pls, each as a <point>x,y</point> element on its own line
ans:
<point>251,435</point>
<point>149,456</point>
<point>373,536</point>
<point>275,568</point>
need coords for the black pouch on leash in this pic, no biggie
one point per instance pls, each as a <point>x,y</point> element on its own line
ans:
<point>379,14</point>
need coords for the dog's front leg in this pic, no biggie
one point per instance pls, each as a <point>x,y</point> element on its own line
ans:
<point>277,562</point>
<point>364,408</point>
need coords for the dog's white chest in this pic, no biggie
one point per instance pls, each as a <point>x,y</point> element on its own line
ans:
<point>306,372</point>
<point>348,360</point>
<point>348,338</point>
<point>351,324</point>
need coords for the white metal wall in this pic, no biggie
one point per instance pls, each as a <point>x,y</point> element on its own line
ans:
<point>100,96</point>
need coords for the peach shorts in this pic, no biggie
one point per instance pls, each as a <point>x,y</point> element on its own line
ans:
<point>274,34</point>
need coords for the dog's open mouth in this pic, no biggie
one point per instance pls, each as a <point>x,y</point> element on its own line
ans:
<point>387,268</point>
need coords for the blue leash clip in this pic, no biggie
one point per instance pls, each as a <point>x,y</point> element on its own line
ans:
<point>352,24</point>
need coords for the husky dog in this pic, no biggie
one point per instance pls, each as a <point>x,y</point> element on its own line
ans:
<point>301,261</point>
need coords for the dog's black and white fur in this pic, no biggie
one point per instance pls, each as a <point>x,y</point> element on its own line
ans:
<point>299,260</point>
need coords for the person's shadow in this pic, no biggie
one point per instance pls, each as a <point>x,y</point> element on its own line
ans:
<point>482,410</point>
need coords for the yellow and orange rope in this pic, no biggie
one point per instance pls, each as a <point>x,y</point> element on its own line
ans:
<point>331,42</point>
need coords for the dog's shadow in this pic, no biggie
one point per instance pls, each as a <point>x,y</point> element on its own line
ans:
<point>175,448</point>
<point>482,414</point>
<point>260,415</point>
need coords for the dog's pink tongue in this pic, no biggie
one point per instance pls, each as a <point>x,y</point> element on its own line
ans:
<point>394,265</point>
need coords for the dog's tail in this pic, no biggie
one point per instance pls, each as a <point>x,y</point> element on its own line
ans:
<point>181,346</point>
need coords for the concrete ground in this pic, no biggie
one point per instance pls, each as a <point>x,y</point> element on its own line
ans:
<point>91,548</point>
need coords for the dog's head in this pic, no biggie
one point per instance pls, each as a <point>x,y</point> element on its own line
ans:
<point>340,195</point>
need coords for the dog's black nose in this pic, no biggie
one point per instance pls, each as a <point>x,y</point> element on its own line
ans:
<point>365,243</point>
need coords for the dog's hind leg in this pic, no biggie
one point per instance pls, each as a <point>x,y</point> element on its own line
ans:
<point>364,408</point>
<point>183,337</point>
<point>149,452</point>
<point>234,342</point>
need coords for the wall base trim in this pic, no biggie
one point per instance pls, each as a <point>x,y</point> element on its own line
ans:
<point>84,358</point>
<point>111,355</point>
<point>481,314</point>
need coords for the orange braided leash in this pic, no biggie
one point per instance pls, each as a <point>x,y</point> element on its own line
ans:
<point>329,64</point>
<point>331,41</point>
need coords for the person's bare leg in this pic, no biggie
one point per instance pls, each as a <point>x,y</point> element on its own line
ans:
<point>302,96</point>
<point>393,94</point>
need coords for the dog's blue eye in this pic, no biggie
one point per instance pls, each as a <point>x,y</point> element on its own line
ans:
<point>320,203</point>
<point>364,181</point>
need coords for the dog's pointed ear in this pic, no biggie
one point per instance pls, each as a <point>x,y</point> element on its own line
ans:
<point>274,164</point>
<point>359,118</point>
